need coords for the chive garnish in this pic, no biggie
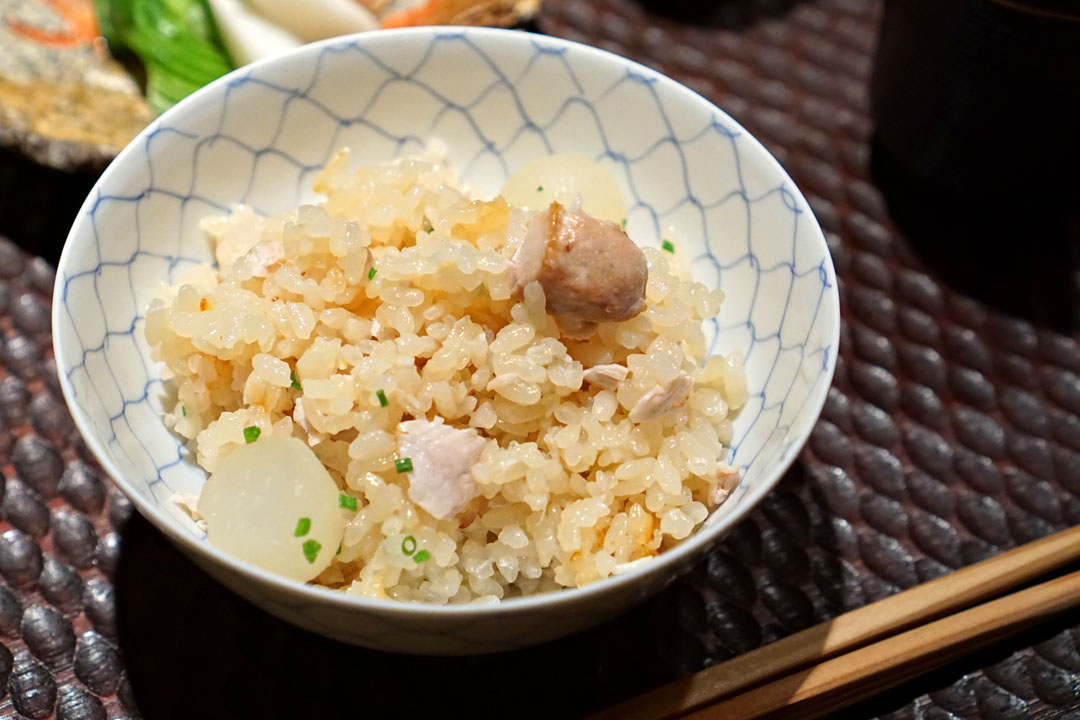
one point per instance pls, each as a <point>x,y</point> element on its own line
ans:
<point>539,188</point>
<point>303,525</point>
<point>251,434</point>
<point>371,274</point>
<point>431,230</point>
<point>347,501</point>
<point>183,410</point>
<point>338,549</point>
<point>408,545</point>
<point>382,398</point>
<point>311,550</point>
<point>421,556</point>
<point>295,384</point>
<point>403,465</point>
<point>623,223</point>
<point>668,245</point>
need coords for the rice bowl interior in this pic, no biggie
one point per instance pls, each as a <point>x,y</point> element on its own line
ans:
<point>478,439</point>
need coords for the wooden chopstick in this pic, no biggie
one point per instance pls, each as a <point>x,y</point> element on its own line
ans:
<point>917,606</point>
<point>835,684</point>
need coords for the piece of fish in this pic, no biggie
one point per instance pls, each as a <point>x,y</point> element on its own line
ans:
<point>591,271</point>
<point>189,504</point>
<point>257,261</point>
<point>659,401</point>
<point>234,235</point>
<point>442,458</point>
<point>606,376</point>
<point>299,416</point>
<point>727,477</point>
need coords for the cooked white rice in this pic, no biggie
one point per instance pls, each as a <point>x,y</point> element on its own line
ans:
<point>571,490</point>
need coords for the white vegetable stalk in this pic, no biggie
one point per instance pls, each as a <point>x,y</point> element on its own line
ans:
<point>318,19</point>
<point>247,36</point>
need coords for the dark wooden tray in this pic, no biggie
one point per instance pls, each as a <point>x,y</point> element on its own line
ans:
<point>952,432</point>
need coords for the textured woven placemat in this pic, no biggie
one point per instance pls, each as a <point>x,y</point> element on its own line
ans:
<point>58,536</point>
<point>952,433</point>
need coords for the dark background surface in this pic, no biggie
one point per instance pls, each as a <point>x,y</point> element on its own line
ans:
<point>952,433</point>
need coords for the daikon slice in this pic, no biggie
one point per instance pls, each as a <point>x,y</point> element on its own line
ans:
<point>562,178</point>
<point>272,503</point>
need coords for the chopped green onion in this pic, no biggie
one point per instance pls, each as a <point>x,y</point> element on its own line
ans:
<point>251,434</point>
<point>303,525</point>
<point>183,410</point>
<point>421,556</point>
<point>295,384</point>
<point>338,549</point>
<point>382,398</point>
<point>623,223</point>
<point>539,188</point>
<point>371,274</point>
<point>431,230</point>
<point>403,465</point>
<point>347,501</point>
<point>668,245</point>
<point>311,550</point>
<point>408,545</point>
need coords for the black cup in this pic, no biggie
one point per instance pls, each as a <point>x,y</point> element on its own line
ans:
<point>977,147</point>
<point>980,97</point>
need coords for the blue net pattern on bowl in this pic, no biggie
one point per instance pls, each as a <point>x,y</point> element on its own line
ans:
<point>682,164</point>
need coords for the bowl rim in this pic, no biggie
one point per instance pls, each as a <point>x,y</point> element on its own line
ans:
<point>696,543</point>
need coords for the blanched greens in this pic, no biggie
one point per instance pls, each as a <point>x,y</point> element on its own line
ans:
<point>176,40</point>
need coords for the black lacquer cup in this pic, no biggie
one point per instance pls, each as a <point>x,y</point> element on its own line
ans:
<point>981,96</point>
<point>976,110</point>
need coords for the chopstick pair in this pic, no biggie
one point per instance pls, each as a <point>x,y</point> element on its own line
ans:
<point>863,652</point>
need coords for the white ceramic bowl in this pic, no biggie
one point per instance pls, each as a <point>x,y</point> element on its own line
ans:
<point>497,99</point>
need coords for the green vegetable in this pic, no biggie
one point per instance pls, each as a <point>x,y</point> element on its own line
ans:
<point>311,550</point>
<point>347,501</point>
<point>176,40</point>
<point>403,465</point>
<point>251,434</point>
<point>382,398</point>
<point>539,188</point>
<point>371,274</point>
<point>295,384</point>
<point>183,410</point>
<point>421,556</point>
<point>668,245</point>
<point>408,545</point>
<point>303,525</point>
